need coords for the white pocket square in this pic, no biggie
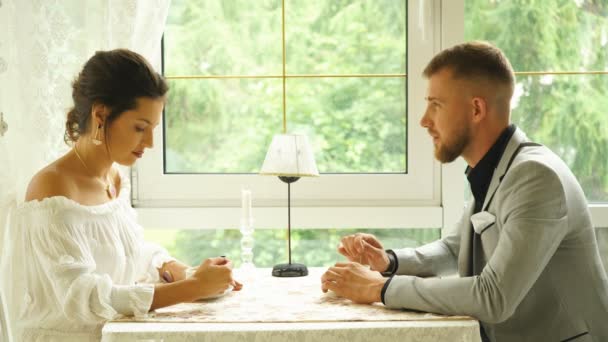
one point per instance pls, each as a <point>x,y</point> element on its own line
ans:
<point>482,220</point>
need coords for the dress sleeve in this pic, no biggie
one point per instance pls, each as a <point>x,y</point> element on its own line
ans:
<point>153,258</point>
<point>59,269</point>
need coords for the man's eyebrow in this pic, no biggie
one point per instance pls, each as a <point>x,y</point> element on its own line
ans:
<point>431,98</point>
<point>146,120</point>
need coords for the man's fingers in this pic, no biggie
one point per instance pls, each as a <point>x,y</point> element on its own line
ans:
<point>342,250</point>
<point>347,246</point>
<point>371,249</point>
<point>358,243</point>
<point>329,285</point>
<point>373,241</point>
<point>330,275</point>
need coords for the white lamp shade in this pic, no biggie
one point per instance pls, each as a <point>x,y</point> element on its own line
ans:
<point>290,155</point>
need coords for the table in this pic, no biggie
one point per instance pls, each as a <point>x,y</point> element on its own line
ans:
<point>287,309</point>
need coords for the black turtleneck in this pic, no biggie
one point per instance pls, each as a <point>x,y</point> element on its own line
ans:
<point>481,175</point>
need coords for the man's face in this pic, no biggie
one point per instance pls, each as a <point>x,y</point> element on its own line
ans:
<point>447,116</point>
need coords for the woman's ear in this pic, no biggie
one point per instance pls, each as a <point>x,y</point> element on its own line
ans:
<point>99,114</point>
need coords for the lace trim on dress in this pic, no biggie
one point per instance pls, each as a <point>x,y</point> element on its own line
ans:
<point>141,297</point>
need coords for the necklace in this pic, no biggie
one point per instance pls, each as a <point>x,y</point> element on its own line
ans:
<point>109,187</point>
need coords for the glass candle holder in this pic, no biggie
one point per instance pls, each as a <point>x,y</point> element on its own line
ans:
<point>247,243</point>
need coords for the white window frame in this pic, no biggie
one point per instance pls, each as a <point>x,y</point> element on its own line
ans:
<point>412,200</point>
<point>429,196</point>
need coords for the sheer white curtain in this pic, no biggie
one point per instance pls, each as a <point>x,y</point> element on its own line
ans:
<point>43,45</point>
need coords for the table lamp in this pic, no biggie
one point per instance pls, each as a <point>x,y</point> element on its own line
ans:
<point>289,157</point>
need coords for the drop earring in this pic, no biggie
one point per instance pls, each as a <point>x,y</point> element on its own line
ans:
<point>96,140</point>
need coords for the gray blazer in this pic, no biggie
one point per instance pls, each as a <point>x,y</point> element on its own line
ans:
<point>543,278</point>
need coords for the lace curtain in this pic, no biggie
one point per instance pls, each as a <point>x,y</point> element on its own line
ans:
<point>43,45</point>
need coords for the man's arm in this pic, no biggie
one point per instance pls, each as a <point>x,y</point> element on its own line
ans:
<point>433,259</point>
<point>534,219</point>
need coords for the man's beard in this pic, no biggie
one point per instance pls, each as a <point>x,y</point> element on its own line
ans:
<point>449,151</point>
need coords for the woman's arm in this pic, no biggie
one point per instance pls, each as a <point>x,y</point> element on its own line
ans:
<point>173,293</point>
<point>213,276</point>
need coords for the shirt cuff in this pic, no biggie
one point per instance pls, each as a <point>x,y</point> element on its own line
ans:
<point>133,300</point>
<point>393,265</point>
<point>384,289</point>
<point>158,260</point>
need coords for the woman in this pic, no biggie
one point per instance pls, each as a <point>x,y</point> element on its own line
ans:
<point>79,258</point>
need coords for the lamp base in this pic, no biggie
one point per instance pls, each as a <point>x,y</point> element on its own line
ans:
<point>289,270</point>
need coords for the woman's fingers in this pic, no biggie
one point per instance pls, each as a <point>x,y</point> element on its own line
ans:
<point>236,286</point>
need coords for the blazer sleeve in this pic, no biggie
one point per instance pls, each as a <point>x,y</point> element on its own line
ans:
<point>433,259</point>
<point>534,220</point>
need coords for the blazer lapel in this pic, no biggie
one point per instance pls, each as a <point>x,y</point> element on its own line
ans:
<point>466,252</point>
<point>517,138</point>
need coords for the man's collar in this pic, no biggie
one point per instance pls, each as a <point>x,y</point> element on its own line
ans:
<point>481,175</point>
<point>517,139</point>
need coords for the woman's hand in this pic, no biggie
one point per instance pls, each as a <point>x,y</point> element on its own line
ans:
<point>173,271</point>
<point>214,276</point>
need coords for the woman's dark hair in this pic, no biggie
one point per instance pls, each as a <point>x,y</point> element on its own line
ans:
<point>116,79</point>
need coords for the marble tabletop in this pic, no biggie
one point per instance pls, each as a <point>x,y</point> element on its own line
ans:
<point>295,309</point>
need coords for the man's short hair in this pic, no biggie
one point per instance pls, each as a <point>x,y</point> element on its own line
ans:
<point>474,60</point>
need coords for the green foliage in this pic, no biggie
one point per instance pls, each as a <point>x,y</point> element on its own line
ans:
<point>358,124</point>
<point>355,124</point>
<point>312,247</point>
<point>565,112</point>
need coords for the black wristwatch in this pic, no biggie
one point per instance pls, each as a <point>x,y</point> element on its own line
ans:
<point>393,264</point>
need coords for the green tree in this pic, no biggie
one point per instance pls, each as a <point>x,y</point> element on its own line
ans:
<point>358,124</point>
<point>219,125</point>
<point>565,112</point>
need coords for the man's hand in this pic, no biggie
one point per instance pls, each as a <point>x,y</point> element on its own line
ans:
<point>364,249</point>
<point>354,281</point>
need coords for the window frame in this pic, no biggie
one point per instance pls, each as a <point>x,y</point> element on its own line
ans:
<point>410,200</point>
<point>442,207</point>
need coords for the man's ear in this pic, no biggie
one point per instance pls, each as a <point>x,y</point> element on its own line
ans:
<point>99,114</point>
<point>480,108</point>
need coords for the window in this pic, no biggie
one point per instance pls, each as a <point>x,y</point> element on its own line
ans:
<point>338,71</point>
<point>562,76</point>
<point>193,246</point>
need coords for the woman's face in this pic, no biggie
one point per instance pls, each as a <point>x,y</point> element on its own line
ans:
<point>132,132</point>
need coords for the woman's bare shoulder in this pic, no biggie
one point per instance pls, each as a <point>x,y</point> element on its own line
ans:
<point>51,181</point>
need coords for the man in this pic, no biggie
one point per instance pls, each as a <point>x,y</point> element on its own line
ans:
<point>525,248</point>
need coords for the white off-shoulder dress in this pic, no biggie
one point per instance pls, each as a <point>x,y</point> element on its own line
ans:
<point>73,267</point>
